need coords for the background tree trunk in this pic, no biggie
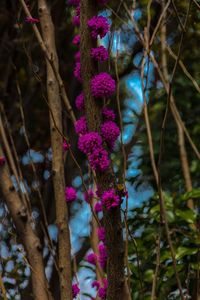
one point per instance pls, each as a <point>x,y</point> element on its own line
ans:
<point>64,248</point>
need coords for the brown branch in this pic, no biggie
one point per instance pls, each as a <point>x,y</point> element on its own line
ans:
<point>156,65</point>
<point>24,227</point>
<point>2,288</point>
<point>51,62</point>
<point>54,100</point>
<point>184,69</point>
<point>181,136</point>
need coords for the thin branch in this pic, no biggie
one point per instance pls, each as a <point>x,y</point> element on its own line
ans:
<point>51,62</point>
<point>2,288</point>
<point>54,100</point>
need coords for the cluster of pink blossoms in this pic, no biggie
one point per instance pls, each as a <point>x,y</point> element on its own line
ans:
<point>93,258</point>
<point>99,54</point>
<point>32,20</point>
<point>75,290</point>
<point>96,145</point>
<point>70,194</point>
<point>2,160</point>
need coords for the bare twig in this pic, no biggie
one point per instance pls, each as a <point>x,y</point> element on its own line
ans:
<point>2,288</point>
<point>51,62</point>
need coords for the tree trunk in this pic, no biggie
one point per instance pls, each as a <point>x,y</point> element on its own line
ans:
<point>54,99</point>
<point>112,218</point>
<point>24,226</point>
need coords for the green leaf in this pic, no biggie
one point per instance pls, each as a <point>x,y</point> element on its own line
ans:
<point>183,251</point>
<point>187,215</point>
<point>195,193</point>
<point>148,275</point>
<point>170,270</point>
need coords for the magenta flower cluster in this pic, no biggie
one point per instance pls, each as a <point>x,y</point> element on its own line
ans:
<point>76,40</point>
<point>93,258</point>
<point>89,142</point>
<point>88,196</point>
<point>96,145</point>
<point>99,26</point>
<point>70,194</point>
<point>101,234</point>
<point>66,146</point>
<point>98,207</point>
<point>2,160</point>
<point>32,20</point>
<point>110,199</point>
<point>102,255</point>
<point>108,114</point>
<point>101,287</point>
<point>102,85</point>
<point>110,132</point>
<point>99,54</point>
<point>77,71</point>
<point>81,126</point>
<point>75,290</point>
<point>79,101</point>
<point>99,159</point>
<point>76,17</point>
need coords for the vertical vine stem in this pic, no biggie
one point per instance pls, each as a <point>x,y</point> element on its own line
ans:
<point>105,180</point>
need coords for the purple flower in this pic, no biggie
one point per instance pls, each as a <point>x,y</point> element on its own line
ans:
<point>102,85</point>
<point>79,101</point>
<point>108,114</point>
<point>88,196</point>
<point>102,258</point>
<point>99,54</point>
<point>110,199</point>
<point>2,160</point>
<point>103,289</point>
<point>75,290</point>
<point>96,284</point>
<point>76,21</point>
<point>73,2</point>
<point>76,18</point>
<point>32,20</point>
<point>98,192</point>
<point>99,26</point>
<point>81,126</point>
<point>99,159</point>
<point>66,146</point>
<point>77,71</point>
<point>91,258</point>
<point>88,142</point>
<point>76,40</point>
<point>101,234</point>
<point>110,132</point>
<point>70,194</point>
<point>77,56</point>
<point>98,207</point>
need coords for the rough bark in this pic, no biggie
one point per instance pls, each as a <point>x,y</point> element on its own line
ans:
<point>112,218</point>
<point>54,99</point>
<point>25,231</point>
